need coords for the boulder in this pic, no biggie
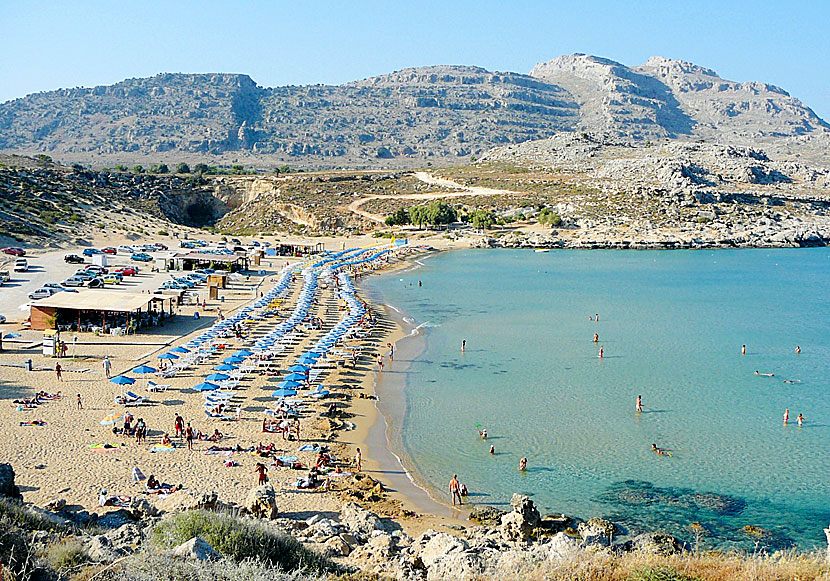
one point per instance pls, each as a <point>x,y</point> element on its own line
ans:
<point>519,524</point>
<point>360,520</point>
<point>7,486</point>
<point>656,543</point>
<point>562,547</point>
<point>115,519</point>
<point>486,515</point>
<point>177,502</point>
<point>142,509</point>
<point>207,500</point>
<point>336,547</point>
<point>524,506</point>
<point>597,531</point>
<point>196,548</point>
<point>262,502</point>
<point>322,530</point>
<point>463,566</point>
<point>382,546</point>
<point>351,539</point>
<point>438,546</point>
<point>113,545</point>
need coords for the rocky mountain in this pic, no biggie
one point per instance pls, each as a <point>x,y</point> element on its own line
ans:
<point>413,117</point>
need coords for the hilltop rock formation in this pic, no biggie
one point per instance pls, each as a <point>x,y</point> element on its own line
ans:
<point>406,118</point>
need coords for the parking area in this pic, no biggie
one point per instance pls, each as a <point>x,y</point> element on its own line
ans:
<point>50,267</point>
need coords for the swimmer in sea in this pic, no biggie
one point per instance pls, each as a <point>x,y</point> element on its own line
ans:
<point>800,420</point>
<point>797,349</point>
<point>786,416</point>
<point>523,465</point>
<point>596,337</point>
<point>765,374</point>
<point>743,349</point>
<point>463,345</point>
<point>792,381</point>
<point>639,406</point>
<point>601,352</point>
<point>492,449</point>
<point>660,451</point>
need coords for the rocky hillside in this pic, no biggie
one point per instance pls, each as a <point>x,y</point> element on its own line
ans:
<point>413,117</point>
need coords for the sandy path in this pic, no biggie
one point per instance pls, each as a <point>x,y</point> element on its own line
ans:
<point>462,192</point>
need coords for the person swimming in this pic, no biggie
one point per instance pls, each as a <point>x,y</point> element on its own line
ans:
<point>660,451</point>
<point>797,349</point>
<point>492,449</point>
<point>764,374</point>
<point>601,352</point>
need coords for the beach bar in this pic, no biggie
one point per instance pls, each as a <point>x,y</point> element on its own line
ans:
<point>196,260</point>
<point>102,311</point>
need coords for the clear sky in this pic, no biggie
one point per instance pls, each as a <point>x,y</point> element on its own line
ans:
<point>53,44</point>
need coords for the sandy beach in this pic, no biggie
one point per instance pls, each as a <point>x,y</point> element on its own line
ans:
<point>56,460</point>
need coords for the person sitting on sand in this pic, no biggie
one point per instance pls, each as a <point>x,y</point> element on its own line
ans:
<point>764,374</point>
<point>215,437</point>
<point>165,440</point>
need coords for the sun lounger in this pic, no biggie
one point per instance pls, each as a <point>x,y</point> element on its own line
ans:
<point>153,386</point>
<point>167,373</point>
<point>130,399</point>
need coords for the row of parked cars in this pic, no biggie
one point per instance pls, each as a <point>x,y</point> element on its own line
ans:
<point>125,249</point>
<point>91,276</point>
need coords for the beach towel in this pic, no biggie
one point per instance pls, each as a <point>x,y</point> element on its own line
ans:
<point>137,476</point>
<point>309,448</point>
<point>218,452</point>
<point>107,447</point>
<point>287,459</point>
<point>162,448</point>
<point>33,423</point>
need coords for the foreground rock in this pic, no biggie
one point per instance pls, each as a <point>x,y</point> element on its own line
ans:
<point>7,486</point>
<point>262,502</point>
<point>196,548</point>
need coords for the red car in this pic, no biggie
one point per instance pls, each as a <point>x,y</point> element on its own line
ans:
<point>108,250</point>
<point>160,246</point>
<point>14,251</point>
<point>127,270</point>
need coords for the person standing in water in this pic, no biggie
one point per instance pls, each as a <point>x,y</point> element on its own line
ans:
<point>463,345</point>
<point>743,349</point>
<point>380,362</point>
<point>800,420</point>
<point>601,352</point>
<point>786,416</point>
<point>523,465</point>
<point>639,406</point>
<point>798,349</point>
<point>596,317</point>
<point>596,337</point>
<point>358,460</point>
<point>492,449</point>
<point>455,490</point>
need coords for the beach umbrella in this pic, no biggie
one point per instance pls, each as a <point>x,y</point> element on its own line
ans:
<point>180,350</point>
<point>168,356</point>
<point>12,335</point>
<point>288,384</point>
<point>243,353</point>
<point>283,392</point>
<point>112,418</point>
<point>122,380</point>
<point>143,369</point>
<point>298,367</point>
<point>295,377</point>
<point>205,386</point>
<point>232,360</point>
<point>217,377</point>
<point>226,367</point>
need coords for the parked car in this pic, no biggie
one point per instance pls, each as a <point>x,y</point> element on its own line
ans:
<point>141,257</point>
<point>5,276</point>
<point>73,259</point>
<point>14,251</point>
<point>84,275</point>
<point>184,281</point>
<point>109,250</point>
<point>2,319</point>
<point>96,283</point>
<point>41,293</point>
<point>173,285</point>
<point>58,288</point>
<point>127,270</point>
<point>197,278</point>
<point>205,271</point>
<point>91,251</point>
<point>126,249</point>
<point>74,281</point>
<point>96,269</point>
<point>254,243</point>
<point>160,246</point>
<point>112,278</point>
<point>236,240</point>
<point>21,265</point>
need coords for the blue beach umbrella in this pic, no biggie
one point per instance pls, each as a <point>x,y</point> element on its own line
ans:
<point>295,377</point>
<point>142,369</point>
<point>122,380</point>
<point>298,367</point>
<point>243,353</point>
<point>232,360</point>
<point>288,384</point>
<point>217,377</point>
<point>168,356</point>
<point>205,386</point>
<point>283,392</point>
<point>226,367</point>
<point>179,350</point>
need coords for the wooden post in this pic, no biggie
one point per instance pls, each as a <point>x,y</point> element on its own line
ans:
<point>104,323</point>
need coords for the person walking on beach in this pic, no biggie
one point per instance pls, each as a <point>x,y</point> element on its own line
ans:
<point>80,404</point>
<point>358,460</point>
<point>178,425</point>
<point>380,362</point>
<point>188,434</point>
<point>639,407</point>
<point>58,369</point>
<point>455,490</point>
<point>261,470</point>
<point>391,351</point>
<point>107,365</point>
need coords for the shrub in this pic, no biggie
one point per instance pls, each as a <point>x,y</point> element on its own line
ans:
<point>548,216</point>
<point>66,554</point>
<point>400,217</point>
<point>163,233</point>
<point>482,219</point>
<point>182,168</point>
<point>143,567</point>
<point>138,168</point>
<point>659,574</point>
<point>240,540</point>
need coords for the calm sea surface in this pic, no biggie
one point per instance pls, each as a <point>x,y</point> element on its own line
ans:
<point>672,325</point>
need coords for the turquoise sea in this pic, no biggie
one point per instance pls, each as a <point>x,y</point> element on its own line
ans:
<point>672,324</point>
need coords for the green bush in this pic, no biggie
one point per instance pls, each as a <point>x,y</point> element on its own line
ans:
<point>65,555</point>
<point>399,218</point>
<point>659,574</point>
<point>182,168</point>
<point>481,219</point>
<point>144,567</point>
<point>548,216</point>
<point>240,540</point>
<point>163,233</point>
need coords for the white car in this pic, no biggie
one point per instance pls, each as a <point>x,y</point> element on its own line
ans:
<point>58,288</point>
<point>125,249</point>
<point>42,293</point>
<point>21,265</point>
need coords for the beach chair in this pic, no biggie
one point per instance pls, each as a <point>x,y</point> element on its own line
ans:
<point>132,399</point>
<point>153,386</point>
<point>167,373</point>
<point>320,392</point>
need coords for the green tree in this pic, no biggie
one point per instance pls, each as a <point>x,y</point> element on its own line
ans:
<point>548,216</point>
<point>138,169</point>
<point>398,218</point>
<point>481,219</point>
<point>159,168</point>
<point>200,168</point>
<point>182,168</point>
<point>237,169</point>
<point>418,215</point>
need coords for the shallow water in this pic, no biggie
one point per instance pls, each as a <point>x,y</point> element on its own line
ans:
<point>672,325</point>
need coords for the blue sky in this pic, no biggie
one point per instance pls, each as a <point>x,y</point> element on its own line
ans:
<point>49,44</point>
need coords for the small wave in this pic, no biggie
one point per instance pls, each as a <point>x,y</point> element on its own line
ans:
<point>430,325</point>
<point>397,310</point>
<point>408,320</point>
